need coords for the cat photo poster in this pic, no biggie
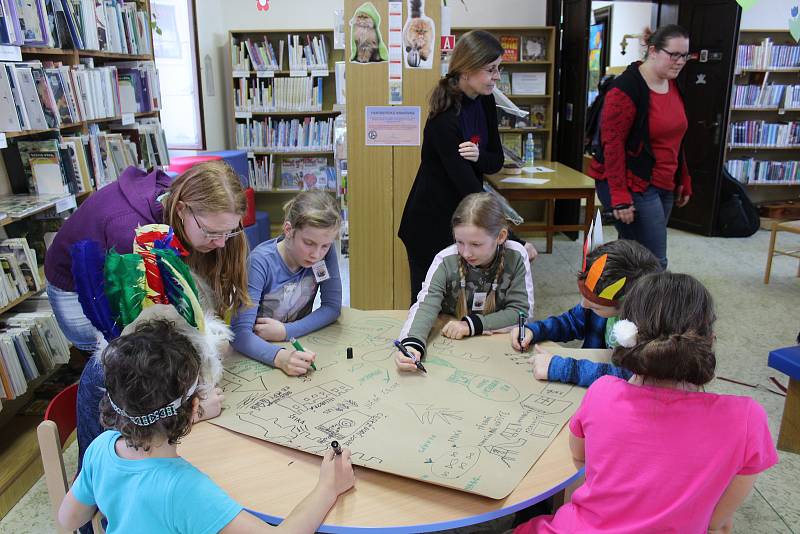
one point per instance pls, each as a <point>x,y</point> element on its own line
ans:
<point>366,43</point>
<point>419,33</point>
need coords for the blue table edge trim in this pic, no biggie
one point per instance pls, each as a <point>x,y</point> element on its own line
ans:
<point>433,527</point>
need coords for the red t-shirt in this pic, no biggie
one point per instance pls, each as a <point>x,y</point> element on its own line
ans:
<point>668,124</point>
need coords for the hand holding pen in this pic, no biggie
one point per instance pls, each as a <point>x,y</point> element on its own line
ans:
<point>521,339</point>
<point>408,359</point>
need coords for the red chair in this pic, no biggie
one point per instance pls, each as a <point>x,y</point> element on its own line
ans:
<point>59,422</point>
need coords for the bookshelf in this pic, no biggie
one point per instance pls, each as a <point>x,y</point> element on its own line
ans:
<point>763,138</point>
<point>513,132</point>
<point>19,452</point>
<point>283,110</point>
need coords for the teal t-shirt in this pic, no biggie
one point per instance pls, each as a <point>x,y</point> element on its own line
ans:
<point>151,495</point>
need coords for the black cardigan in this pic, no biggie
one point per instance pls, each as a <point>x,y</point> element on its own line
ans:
<point>444,178</point>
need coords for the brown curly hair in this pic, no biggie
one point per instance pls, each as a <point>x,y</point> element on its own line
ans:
<point>144,371</point>
<point>674,314</point>
<point>625,258</point>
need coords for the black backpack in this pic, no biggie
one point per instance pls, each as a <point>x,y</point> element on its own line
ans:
<point>737,216</point>
<point>591,140</point>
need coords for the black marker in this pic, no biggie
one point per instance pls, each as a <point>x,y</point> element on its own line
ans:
<point>336,448</point>
<point>521,332</point>
<point>407,354</point>
<point>349,353</point>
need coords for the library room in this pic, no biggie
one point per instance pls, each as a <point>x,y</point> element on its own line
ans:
<point>368,266</point>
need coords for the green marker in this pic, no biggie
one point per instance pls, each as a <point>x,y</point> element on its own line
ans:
<point>297,346</point>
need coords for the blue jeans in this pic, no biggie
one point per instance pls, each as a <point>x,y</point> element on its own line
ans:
<point>91,389</point>
<point>69,315</point>
<point>649,226</point>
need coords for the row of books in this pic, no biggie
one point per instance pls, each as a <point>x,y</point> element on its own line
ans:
<point>524,48</point>
<point>109,25</point>
<point>536,118</point>
<point>767,55</point>
<point>251,55</point>
<point>515,143</point>
<point>20,274</point>
<point>758,96</point>
<point>279,94</point>
<point>41,96</point>
<point>296,174</point>
<point>763,133</point>
<point>284,135</point>
<point>31,345</point>
<point>82,163</point>
<point>754,171</point>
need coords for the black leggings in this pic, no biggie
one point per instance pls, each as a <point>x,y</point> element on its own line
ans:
<point>418,267</point>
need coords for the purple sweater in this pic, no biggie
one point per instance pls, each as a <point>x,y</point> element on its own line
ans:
<point>110,217</point>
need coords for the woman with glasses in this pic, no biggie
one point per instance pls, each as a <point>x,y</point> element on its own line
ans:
<point>204,206</point>
<point>642,172</point>
<point>461,143</point>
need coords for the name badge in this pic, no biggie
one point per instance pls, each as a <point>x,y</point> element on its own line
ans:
<point>479,300</point>
<point>320,271</point>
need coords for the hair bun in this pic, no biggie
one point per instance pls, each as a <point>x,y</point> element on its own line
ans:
<point>647,34</point>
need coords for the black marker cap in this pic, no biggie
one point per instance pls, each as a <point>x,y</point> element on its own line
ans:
<point>349,353</point>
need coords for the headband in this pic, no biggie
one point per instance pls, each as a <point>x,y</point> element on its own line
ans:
<point>169,410</point>
<point>587,286</point>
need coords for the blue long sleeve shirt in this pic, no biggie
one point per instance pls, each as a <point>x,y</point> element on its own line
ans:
<point>285,296</point>
<point>577,323</point>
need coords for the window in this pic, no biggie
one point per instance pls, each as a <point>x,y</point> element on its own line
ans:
<point>175,47</point>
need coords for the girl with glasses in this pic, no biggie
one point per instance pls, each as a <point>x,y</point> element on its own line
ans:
<point>641,171</point>
<point>204,206</point>
<point>461,143</point>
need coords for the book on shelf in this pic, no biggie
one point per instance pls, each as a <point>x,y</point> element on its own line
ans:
<point>261,172</point>
<point>31,345</point>
<point>32,22</point>
<point>279,94</point>
<point>512,142</point>
<point>537,117</point>
<point>26,258</point>
<point>285,135</point>
<point>510,44</point>
<point>753,171</point>
<point>504,83</point>
<point>767,55</point>
<point>765,134</point>
<point>311,55</point>
<point>533,48</point>
<point>10,30</point>
<point>307,174</point>
<point>529,83</point>
<point>341,85</point>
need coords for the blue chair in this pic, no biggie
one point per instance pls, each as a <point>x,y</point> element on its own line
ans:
<point>787,361</point>
<point>236,159</point>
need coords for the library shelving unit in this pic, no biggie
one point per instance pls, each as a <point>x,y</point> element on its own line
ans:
<point>763,140</point>
<point>272,90</point>
<point>514,136</point>
<point>19,449</point>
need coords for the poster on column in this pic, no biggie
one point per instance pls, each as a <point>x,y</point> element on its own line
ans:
<point>392,125</point>
<point>419,33</point>
<point>366,43</point>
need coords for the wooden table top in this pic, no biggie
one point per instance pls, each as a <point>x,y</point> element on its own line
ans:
<point>270,479</point>
<point>563,177</point>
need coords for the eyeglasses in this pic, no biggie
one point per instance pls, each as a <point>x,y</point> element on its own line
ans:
<point>491,71</point>
<point>676,56</point>
<point>213,236</point>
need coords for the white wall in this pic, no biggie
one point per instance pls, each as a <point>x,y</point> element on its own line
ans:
<point>630,18</point>
<point>216,17</point>
<point>768,15</point>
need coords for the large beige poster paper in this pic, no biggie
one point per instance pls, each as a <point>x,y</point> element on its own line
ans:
<point>477,422</point>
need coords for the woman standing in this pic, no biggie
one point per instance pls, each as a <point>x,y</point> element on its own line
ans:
<point>643,170</point>
<point>461,143</point>
<point>204,205</point>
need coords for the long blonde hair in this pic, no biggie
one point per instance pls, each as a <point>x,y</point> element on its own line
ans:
<point>312,208</point>
<point>209,188</point>
<point>484,211</point>
<point>473,50</point>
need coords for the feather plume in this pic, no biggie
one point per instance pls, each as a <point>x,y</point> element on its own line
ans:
<point>87,273</point>
<point>179,286</point>
<point>125,285</point>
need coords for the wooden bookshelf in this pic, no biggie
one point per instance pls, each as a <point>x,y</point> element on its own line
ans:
<point>272,200</point>
<point>19,450</point>
<point>762,110</point>
<point>515,137</point>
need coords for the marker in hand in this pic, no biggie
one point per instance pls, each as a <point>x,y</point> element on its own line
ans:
<point>297,346</point>
<point>336,448</point>
<point>521,332</point>
<point>407,354</point>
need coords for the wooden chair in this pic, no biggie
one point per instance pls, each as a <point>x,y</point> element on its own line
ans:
<point>60,420</point>
<point>787,226</point>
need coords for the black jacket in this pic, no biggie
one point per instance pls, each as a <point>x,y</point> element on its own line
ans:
<point>444,178</point>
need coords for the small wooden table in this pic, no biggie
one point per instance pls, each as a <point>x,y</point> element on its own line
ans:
<point>270,480</point>
<point>565,183</point>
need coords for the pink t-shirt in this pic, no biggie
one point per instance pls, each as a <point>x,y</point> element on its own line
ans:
<point>658,459</point>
